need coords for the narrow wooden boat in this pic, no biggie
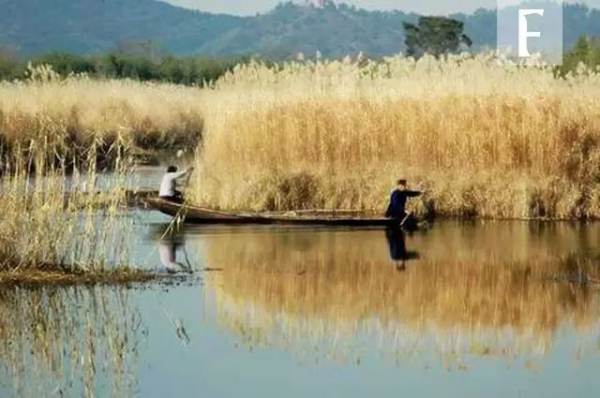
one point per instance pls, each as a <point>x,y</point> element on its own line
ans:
<point>199,215</point>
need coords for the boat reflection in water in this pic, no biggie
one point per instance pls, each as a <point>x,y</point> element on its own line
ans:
<point>499,291</point>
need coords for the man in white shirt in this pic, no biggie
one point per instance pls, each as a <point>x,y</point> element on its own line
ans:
<point>168,185</point>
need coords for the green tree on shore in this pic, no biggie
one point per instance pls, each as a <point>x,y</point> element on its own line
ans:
<point>436,36</point>
<point>585,53</point>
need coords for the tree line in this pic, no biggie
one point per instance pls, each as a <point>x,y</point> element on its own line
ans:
<point>432,35</point>
<point>586,52</point>
<point>191,70</point>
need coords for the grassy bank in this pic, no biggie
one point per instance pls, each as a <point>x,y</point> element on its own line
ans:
<point>481,136</point>
<point>78,278</point>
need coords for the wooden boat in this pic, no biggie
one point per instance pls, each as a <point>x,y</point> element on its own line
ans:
<point>199,215</point>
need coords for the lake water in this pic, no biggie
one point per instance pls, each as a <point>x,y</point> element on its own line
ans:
<point>472,309</point>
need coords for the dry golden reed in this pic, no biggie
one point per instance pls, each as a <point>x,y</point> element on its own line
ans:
<point>482,136</point>
<point>59,213</point>
<point>73,113</point>
<point>60,219</point>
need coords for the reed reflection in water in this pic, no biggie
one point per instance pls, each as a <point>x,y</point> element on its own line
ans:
<point>76,341</point>
<point>502,290</point>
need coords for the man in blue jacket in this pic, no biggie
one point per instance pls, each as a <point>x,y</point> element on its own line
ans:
<point>400,195</point>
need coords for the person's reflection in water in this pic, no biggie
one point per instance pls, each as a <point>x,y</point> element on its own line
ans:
<point>397,244</point>
<point>167,250</point>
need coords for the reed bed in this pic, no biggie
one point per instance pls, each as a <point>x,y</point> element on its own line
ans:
<point>58,220</point>
<point>76,112</point>
<point>64,221</point>
<point>322,294</point>
<point>482,136</point>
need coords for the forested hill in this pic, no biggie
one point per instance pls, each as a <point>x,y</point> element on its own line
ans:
<point>30,27</point>
<point>86,26</point>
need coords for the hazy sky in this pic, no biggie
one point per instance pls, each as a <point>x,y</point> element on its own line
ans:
<point>250,7</point>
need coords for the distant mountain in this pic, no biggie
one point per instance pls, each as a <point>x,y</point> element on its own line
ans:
<point>88,26</point>
<point>334,31</point>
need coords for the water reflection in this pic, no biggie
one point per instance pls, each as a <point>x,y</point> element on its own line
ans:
<point>303,289</point>
<point>170,244</point>
<point>507,291</point>
<point>167,250</point>
<point>396,239</point>
<point>80,341</point>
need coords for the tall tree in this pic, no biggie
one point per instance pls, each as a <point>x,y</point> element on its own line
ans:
<point>435,36</point>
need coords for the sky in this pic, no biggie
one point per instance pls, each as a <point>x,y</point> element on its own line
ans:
<point>431,7</point>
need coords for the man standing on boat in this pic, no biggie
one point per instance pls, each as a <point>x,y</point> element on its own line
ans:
<point>168,185</point>
<point>397,206</point>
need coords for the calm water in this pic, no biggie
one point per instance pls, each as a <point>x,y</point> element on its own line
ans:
<point>465,309</point>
